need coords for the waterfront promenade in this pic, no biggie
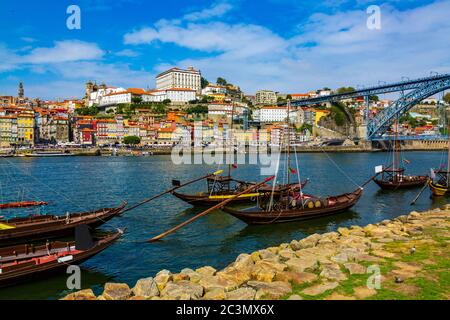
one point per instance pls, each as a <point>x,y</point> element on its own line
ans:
<point>165,150</point>
<point>403,258</point>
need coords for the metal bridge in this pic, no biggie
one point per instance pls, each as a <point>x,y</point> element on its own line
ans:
<point>419,89</point>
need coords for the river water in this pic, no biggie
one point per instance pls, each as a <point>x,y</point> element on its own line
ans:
<point>76,184</point>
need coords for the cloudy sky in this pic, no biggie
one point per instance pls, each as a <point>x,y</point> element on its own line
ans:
<point>284,45</point>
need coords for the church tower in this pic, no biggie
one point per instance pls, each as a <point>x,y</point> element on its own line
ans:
<point>21,92</point>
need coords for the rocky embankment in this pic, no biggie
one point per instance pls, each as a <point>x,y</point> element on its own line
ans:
<point>404,258</point>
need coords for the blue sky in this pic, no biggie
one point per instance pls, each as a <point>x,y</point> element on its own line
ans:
<point>284,45</point>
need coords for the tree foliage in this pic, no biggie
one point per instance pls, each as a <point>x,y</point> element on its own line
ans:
<point>88,111</point>
<point>221,81</point>
<point>132,140</point>
<point>345,90</point>
<point>204,83</point>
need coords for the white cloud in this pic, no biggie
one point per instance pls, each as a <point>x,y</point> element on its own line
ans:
<point>128,53</point>
<point>65,51</point>
<point>328,50</point>
<point>216,10</point>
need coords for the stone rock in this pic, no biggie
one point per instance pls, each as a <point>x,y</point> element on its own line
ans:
<point>183,290</point>
<point>295,245</point>
<point>320,288</point>
<point>355,268</point>
<point>215,294</point>
<point>243,261</point>
<point>264,275</point>
<point>366,257</point>
<point>267,254</point>
<point>206,271</point>
<point>340,297</point>
<point>296,277</point>
<point>309,242</point>
<point>213,282</point>
<point>179,277</point>
<point>271,290</point>
<point>146,288</point>
<point>255,256</point>
<point>286,254</point>
<point>269,265</point>
<point>383,254</point>
<point>295,297</point>
<point>364,292</point>
<point>235,275</point>
<point>241,294</point>
<point>332,272</point>
<point>137,298</point>
<point>116,291</point>
<point>340,258</point>
<point>86,294</point>
<point>343,231</point>
<point>101,298</point>
<point>302,264</point>
<point>162,278</point>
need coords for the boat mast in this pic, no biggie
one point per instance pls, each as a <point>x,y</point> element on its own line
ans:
<point>231,139</point>
<point>396,145</point>
<point>448,155</point>
<point>288,142</point>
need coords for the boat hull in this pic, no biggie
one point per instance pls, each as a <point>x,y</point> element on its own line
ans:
<point>438,190</point>
<point>420,181</point>
<point>44,227</point>
<point>36,271</point>
<point>343,203</point>
<point>206,200</point>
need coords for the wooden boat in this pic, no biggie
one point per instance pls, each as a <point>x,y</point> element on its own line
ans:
<point>51,226</point>
<point>20,263</point>
<point>223,188</point>
<point>22,204</point>
<point>40,154</point>
<point>394,177</point>
<point>439,186</point>
<point>295,208</point>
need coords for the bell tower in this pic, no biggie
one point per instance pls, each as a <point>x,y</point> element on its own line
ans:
<point>21,92</point>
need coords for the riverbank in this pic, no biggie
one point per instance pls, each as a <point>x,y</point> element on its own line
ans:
<point>404,258</point>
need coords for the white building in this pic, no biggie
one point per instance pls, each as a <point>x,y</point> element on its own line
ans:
<point>222,109</point>
<point>279,114</point>
<point>214,89</point>
<point>125,96</point>
<point>181,94</point>
<point>272,114</point>
<point>179,78</point>
<point>97,96</point>
<point>154,96</point>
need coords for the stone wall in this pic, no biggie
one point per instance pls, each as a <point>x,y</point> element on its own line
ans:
<point>410,252</point>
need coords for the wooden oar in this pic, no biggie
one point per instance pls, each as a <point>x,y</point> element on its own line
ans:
<point>204,213</point>
<point>170,191</point>
<point>420,193</point>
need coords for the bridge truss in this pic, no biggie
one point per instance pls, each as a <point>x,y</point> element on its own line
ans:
<point>419,89</point>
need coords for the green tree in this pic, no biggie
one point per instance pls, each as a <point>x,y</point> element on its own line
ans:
<point>167,101</point>
<point>345,90</point>
<point>288,97</point>
<point>204,83</point>
<point>132,140</point>
<point>136,99</point>
<point>221,81</point>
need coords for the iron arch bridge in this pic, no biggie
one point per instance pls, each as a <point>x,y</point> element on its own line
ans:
<point>418,90</point>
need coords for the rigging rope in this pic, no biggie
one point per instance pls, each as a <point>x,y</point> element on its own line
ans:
<point>340,169</point>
